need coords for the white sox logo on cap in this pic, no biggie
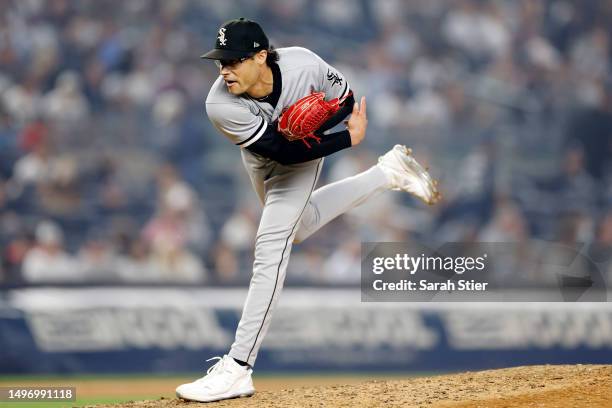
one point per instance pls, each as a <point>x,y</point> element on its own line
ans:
<point>221,37</point>
<point>236,39</point>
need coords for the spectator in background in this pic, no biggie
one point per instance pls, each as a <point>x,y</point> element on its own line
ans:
<point>97,259</point>
<point>112,193</point>
<point>166,235</point>
<point>180,215</point>
<point>226,263</point>
<point>9,142</point>
<point>22,99</point>
<point>13,256</point>
<point>47,261</point>
<point>590,55</point>
<point>234,252</point>
<point>174,263</point>
<point>476,28</point>
<point>34,167</point>
<point>507,225</point>
<point>177,227</point>
<point>136,266</point>
<point>573,188</point>
<point>604,233</point>
<point>574,227</point>
<point>52,177</point>
<point>306,265</point>
<point>168,112</point>
<point>469,204</point>
<point>59,194</point>
<point>66,102</point>
<point>33,135</point>
<point>343,266</point>
<point>589,129</point>
<point>577,188</point>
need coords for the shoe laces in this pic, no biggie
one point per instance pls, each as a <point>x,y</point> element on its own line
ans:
<point>215,374</point>
<point>215,367</point>
<point>213,370</point>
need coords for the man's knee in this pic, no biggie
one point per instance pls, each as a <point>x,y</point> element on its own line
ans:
<point>309,219</point>
<point>301,234</point>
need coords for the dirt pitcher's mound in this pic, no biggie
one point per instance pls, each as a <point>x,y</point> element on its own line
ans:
<point>538,386</point>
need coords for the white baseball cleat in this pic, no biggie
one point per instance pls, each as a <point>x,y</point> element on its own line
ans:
<point>226,379</point>
<point>406,174</point>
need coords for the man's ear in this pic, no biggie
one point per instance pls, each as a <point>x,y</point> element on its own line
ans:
<point>261,56</point>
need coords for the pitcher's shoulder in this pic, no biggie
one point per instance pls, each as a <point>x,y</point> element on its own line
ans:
<point>218,93</point>
<point>293,57</point>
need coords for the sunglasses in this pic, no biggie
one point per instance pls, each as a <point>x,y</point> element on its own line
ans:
<point>231,64</point>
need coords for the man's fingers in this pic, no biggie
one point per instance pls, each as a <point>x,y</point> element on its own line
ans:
<point>362,111</point>
<point>355,109</point>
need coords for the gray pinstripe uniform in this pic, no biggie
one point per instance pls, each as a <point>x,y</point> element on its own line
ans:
<point>291,212</point>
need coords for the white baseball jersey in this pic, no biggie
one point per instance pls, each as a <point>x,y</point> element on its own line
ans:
<point>243,119</point>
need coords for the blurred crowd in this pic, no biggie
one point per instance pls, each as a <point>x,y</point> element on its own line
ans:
<point>111,172</point>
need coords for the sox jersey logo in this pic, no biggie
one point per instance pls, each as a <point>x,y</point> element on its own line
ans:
<point>221,37</point>
<point>334,78</point>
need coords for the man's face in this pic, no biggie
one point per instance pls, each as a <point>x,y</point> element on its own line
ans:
<point>240,75</point>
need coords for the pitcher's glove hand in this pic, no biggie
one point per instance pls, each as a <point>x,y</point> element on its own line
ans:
<point>301,120</point>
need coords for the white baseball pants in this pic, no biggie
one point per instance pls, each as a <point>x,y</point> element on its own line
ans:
<point>292,211</point>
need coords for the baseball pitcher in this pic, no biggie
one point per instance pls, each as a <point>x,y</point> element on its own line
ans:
<point>277,106</point>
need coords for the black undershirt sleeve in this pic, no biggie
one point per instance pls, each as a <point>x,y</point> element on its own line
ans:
<point>273,145</point>
<point>345,109</point>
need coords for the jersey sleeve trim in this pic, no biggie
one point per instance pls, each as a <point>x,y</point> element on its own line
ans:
<point>346,90</point>
<point>255,137</point>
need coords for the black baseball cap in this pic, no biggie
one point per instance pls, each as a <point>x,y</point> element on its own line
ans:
<point>237,39</point>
